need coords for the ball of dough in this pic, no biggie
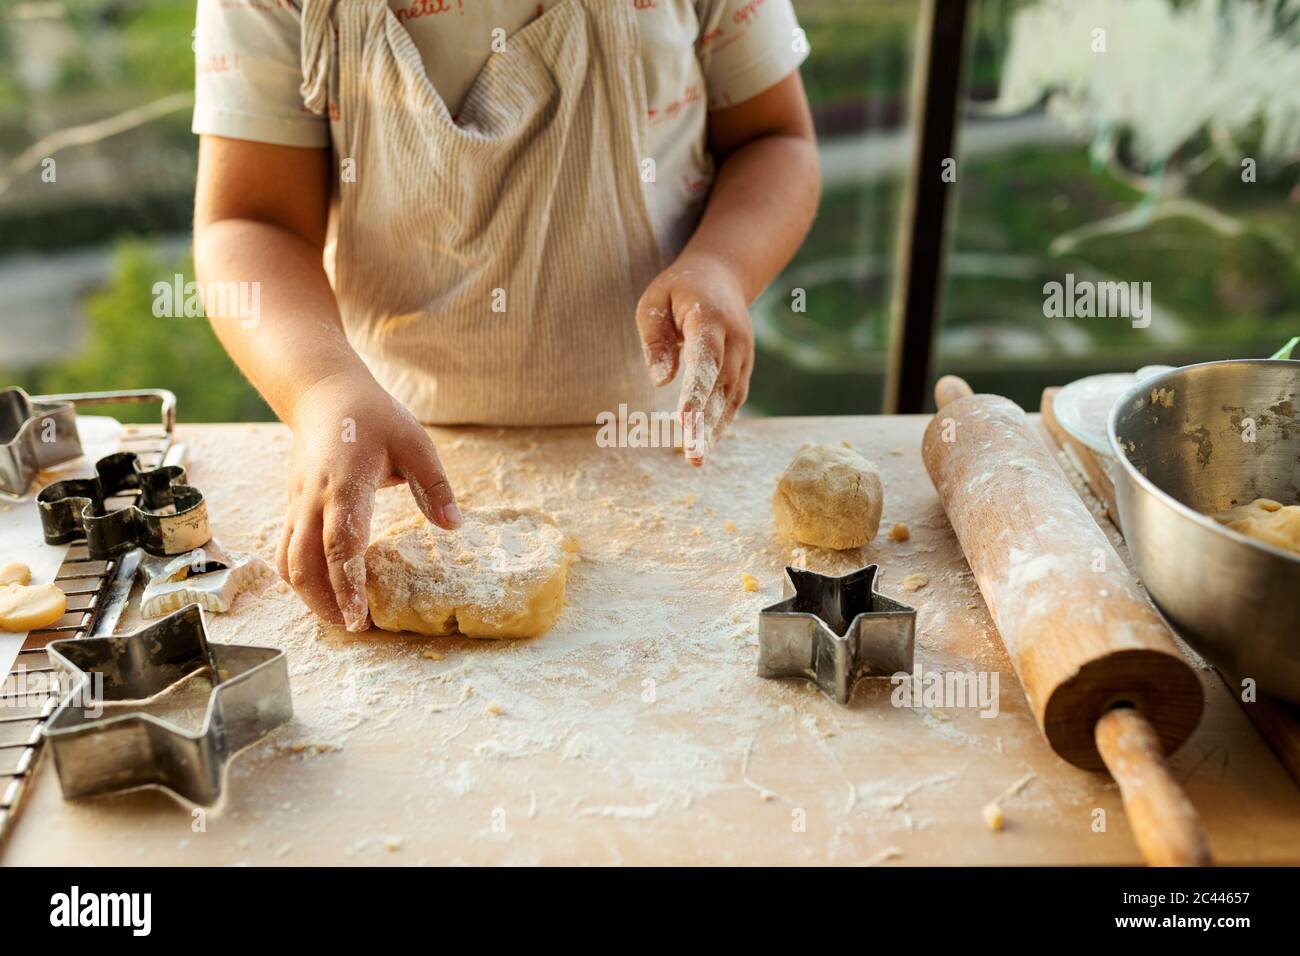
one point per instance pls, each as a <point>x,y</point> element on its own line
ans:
<point>501,574</point>
<point>830,496</point>
<point>1266,520</point>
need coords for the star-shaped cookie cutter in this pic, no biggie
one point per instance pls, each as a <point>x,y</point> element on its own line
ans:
<point>169,517</point>
<point>99,750</point>
<point>34,434</point>
<point>834,630</point>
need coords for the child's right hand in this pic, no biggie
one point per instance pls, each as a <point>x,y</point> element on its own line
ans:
<point>350,437</point>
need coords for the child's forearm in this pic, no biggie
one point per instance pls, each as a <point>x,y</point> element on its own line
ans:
<point>295,338</point>
<point>694,315</point>
<point>761,206</point>
<point>350,437</point>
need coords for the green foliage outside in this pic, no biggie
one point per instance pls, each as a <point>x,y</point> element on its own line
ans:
<point>856,46</point>
<point>152,40</point>
<point>131,348</point>
<point>1234,296</point>
<point>1236,291</point>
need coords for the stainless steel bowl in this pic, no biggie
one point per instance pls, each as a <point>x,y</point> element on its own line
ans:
<point>1184,450</point>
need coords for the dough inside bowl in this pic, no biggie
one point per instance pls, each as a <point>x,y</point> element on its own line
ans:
<point>500,575</point>
<point>1266,520</point>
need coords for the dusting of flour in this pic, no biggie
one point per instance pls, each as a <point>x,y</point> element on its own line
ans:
<point>635,728</point>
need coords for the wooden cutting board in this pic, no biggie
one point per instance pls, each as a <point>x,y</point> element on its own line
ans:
<point>1277,721</point>
<point>637,730</point>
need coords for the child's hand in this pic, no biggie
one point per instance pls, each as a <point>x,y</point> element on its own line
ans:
<point>349,438</point>
<point>695,311</point>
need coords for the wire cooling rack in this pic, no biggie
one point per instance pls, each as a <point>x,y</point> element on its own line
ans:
<point>97,593</point>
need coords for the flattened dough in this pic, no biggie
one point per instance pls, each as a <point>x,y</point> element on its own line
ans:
<point>830,496</point>
<point>1266,520</point>
<point>501,574</point>
<point>26,607</point>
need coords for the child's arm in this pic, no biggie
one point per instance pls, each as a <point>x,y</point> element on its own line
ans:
<point>761,205</point>
<point>260,217</point>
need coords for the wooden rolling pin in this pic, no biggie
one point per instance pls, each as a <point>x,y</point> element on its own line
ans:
<point>1104,679</point>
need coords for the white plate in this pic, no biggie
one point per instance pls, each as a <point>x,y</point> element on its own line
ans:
<point>1083,407</point>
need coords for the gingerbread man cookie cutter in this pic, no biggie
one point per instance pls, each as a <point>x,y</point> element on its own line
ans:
<point>834,630</point>
<point>168,517</point>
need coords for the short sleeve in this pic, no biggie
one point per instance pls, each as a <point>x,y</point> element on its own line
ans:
<point>746,47</point>
<point>248,74</point>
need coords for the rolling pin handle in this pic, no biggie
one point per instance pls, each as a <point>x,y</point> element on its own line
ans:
<point>950,388</point>
<point>1164,822</point>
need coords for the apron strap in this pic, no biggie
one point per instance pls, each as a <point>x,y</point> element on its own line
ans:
<point>319,47</point>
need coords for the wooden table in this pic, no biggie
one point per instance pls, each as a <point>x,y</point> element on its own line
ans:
<point>636,730</point>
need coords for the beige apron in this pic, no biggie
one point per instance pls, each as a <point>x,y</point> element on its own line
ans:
<point>488,266</point>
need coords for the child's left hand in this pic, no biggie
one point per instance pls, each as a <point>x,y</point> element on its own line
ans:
<point>694,314</point>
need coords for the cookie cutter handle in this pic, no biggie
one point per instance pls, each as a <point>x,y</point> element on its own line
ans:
<point>34,434</point>
<point>165,398</point>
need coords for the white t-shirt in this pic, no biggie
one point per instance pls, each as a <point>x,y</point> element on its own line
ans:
<point>698,55</point>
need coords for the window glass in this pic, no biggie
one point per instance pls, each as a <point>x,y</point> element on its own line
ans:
<point>1126,192</point>
<point>821,329</point>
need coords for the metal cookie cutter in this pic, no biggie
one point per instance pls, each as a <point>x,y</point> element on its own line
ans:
<point>834,630</point>
<point>209,576</point>
<point>169,517</point>
<point>113,752</point>
<point>34,434</point>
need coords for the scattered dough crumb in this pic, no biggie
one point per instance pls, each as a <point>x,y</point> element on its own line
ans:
<point>729,527</point>
<point>313,747</point>
<point>494,709</point>
<point>899,532</point>
<point>914,582</point>
<point>994,819</point>
<point>432,656</point>
<point>748,582</point>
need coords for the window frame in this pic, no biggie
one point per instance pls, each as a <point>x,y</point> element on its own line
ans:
<point>924,226</point>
